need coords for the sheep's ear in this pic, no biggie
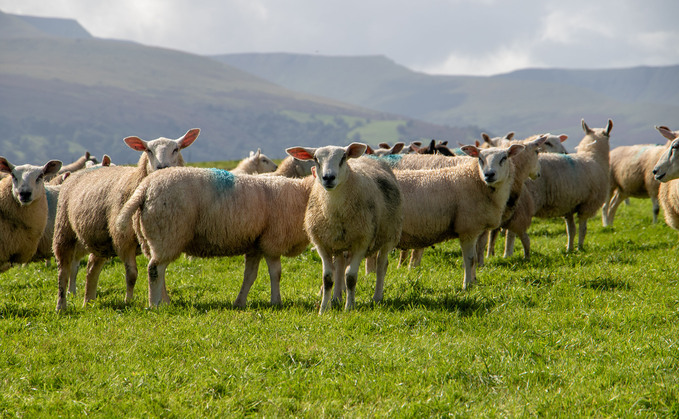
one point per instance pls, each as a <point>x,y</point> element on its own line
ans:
<point>136,143</point>
<point>369,150</point>
<point>477,143</point>
<point>666,132</point>
<point>585,127</point>
<point>539,141</point>
<point>106,160</point>
<point>355,150</point>
<point>188,138</point>
<point>515,149</point>
<point>675,143</point>
<point>609,126</point>
<point>383,145</point>
<point>5,165</point>
<point>470,150</point>
<point>65,175</point>
<point>509,136</point>
<point>416,143</point>
<point>51,168</point>
<point>486,138</point>
<point>563,137</point>
<point>301,153</point>
<point>87,155</point>
<point>397,148</point>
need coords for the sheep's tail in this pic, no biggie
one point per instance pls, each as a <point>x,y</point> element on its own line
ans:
<point>131,206</point>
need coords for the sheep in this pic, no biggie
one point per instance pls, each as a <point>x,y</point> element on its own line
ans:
<point>255,163</point>
<point>385,149</point>
<point>631,175</point>
<point>666,171</point>
<point>79,164</point>
<point>553,143</point>
<point>291,167</point>
<point>23,210</point>
<point>355,206</point>
<point>574,183</point>
<point>212,212</point>
<point>475,196</point>
<point>527,166</point>
<point>89,203</point>
<point>105,161</point>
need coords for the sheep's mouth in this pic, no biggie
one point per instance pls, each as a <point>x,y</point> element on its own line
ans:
<point>659,176</point>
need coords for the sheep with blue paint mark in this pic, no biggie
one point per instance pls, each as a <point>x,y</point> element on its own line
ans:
<point>212,212</point>
<point>631,175</point>
<point>23,210</point>
<point>89,203</point>
<point>572,184</point>
<point>355,209</point>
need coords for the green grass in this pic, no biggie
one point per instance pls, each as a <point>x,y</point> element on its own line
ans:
<point>588,334</point>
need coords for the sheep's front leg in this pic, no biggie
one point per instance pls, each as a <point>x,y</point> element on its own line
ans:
<point>328,266</point>
<point>72,285</point>
<point>570,231</point>
<point>416,258</point>
<point>249,276</point>
<point>275,269</point>
<point>156,274</point>
<point>381,272</point>
<point>64,261</point>
<point>492,238</point>
<point>351,277</point>
<point>610,207</point>
<point>469,258</point>
<point>525,241</point>
<point>94,266</point>
<point>339,266</point>
<point>509,244</point>
<point>582,231</point>
<point>656,209</point>
<point>481,243</point>
<point>130,261</point>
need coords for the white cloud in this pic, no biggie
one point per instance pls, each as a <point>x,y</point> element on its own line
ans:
<point>504,60</point>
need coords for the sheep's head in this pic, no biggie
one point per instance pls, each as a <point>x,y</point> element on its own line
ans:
<point>330,162</point>
<point>263,163</point>
<point>28,181</point>
<point>595,136</point>
<point>530,154</point>
<point>667,167</point>
<point>163,152</point>
<point>494,166</point>
<point>667,133</point>
<point>553,144</point>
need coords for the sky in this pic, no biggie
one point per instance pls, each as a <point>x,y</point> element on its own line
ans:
<point>456,37</point>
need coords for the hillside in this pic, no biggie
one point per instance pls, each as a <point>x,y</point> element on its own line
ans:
<point>526,101</point>
<point>64,94</point>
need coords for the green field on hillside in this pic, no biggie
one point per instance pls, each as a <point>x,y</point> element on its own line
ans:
<point>594,333</point>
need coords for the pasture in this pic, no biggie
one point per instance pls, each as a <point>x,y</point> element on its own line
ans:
<point>588,333</point>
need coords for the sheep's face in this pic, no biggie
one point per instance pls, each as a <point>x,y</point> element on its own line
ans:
<point>264,164</point>
<point>531,153</point>
<point>163,152</point>
<point>554,144</point>
<point>493,163</point>
<point>667,167</point>
<point>28,181</point>
<point>330,163</point>
<point>595,135</point>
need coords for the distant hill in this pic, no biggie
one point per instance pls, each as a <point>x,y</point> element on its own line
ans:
<point>64,91</point>
<point>526,101</point>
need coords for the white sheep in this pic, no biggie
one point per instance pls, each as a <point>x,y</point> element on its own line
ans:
<point>462,201</point>
<point>355,207</point>
<point>666,171</point>
<point>291,167</point>
<point>572,184</point>
<point>255,163</point>
<point>23,210</point>
<point>79,164</point>
<point>631,175</point>
<point>553,143</point>
<point>89,203</point>
<point>105,161</point>
<point>212,212</point>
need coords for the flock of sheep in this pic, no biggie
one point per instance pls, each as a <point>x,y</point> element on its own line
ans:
<point>349,205</point>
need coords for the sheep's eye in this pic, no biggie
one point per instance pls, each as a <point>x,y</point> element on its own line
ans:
<point>503,160</point>
<point>14,178</point>
<point>481,162</point>
<point>175,151</point>
<point>344,159</point>
<point>39,178</point>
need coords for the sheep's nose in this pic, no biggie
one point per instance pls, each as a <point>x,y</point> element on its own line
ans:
<point>328,178</point>
<point>24,196</point>
<point>655,171</point>
<point>490,176</point>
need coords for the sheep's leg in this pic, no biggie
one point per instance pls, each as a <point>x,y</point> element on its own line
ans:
<point>605,209</point>
<point>94,266</point>
<point>570,231</point>
<point>607,217</point>
<point>481,242</point>
<point>656,209</point>
<point>64,259</point>
<point>274,265</point>
<point>156,274</point>
<point>249,276</point>
<point>510,236</point>
<point>415,258</point>
<point>469,258</point>
<point>351,277</point>
<point>525,241</point>
<point>492,238</point>
<point>402,256</point>
<point>381,273</point>
<point>339,266</point>
<point>130,262</point>
<point>582,231</point>
<point>370,263</point>
<point>75,266</point>
<point>328,267</point>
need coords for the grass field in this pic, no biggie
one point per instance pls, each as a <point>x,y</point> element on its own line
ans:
<point>588,334</point>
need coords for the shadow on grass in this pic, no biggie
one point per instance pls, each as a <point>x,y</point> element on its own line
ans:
<point>606,284</point>
<point>12,310</point>
<point>463,305</point>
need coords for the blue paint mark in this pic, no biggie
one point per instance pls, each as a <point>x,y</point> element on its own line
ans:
<point>568,158</point>
<point>391,159</point>
<point>224,180</point>
<point>458,152</point>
